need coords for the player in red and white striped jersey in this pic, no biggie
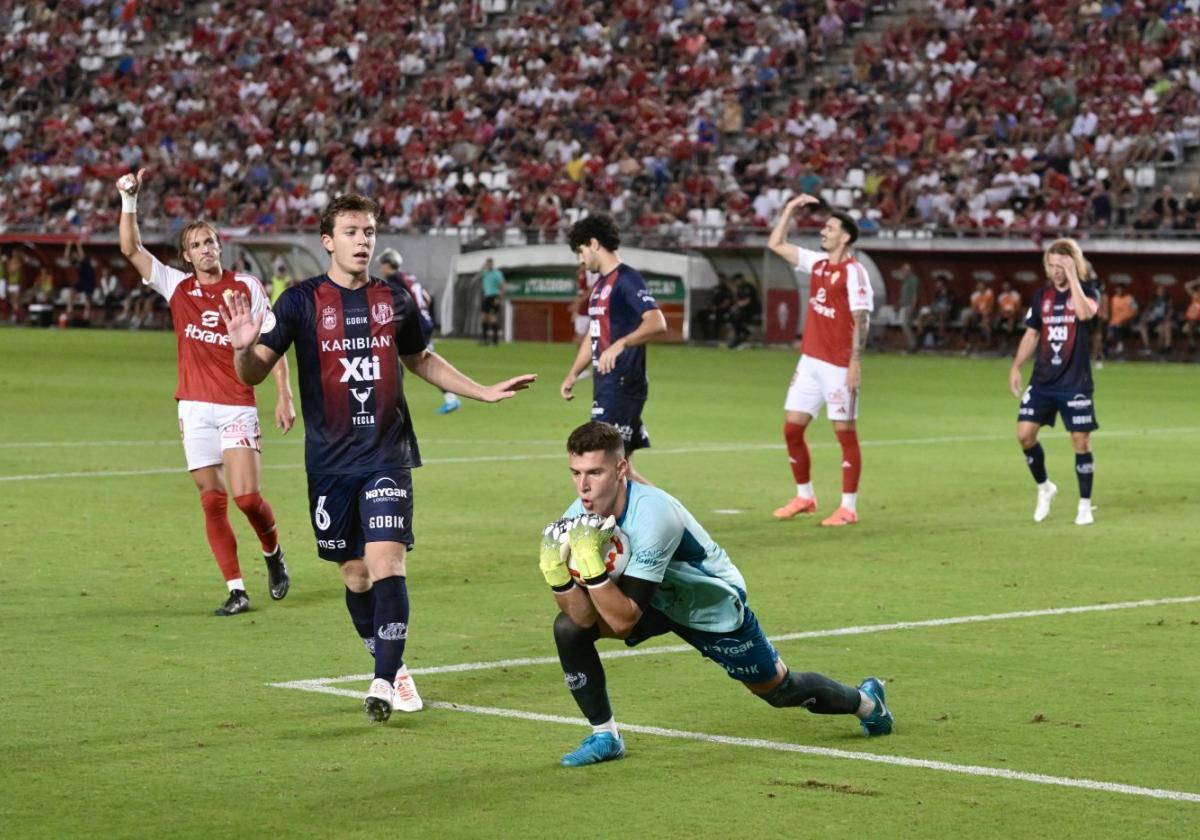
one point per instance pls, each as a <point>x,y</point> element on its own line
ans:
<point>218,420</point>
<point>830,368</point>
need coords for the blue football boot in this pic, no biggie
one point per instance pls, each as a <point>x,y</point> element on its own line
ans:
<point>879,722</point>
<point>597,747</point>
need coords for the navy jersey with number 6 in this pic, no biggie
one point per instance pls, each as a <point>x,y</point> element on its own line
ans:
<point>1063,360</point>
<point>348,348</point>
<point>619,299</point>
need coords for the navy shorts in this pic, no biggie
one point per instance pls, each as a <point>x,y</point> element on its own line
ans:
<point>1040,406</point>
<point>349,511</point>
<point>626,417</point>
<point>746,654</point>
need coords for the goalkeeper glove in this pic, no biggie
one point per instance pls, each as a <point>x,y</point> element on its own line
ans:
<point>552,559</point>
<point>587,536</point>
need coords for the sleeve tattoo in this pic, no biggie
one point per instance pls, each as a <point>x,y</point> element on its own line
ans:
<point>862,324</point>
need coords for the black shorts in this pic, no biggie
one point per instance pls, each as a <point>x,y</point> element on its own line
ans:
<point>1040,406</point>
<point>491,305</point>
<point>626,416</point>
<point>349,511</point>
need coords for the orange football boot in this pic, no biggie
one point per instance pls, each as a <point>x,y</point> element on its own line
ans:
<point>795,506</point>
<point>841,516</point>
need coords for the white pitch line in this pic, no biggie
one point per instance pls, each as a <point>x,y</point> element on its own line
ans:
<point>788,637</point>
<point>784,746</point>
<point>684,450</point>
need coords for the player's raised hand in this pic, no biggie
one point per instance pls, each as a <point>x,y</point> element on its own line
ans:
<point>802,200</point>
<point>241,323</point>
<point>131,184</point>
<point>508,388</point>
<point>552,557</point>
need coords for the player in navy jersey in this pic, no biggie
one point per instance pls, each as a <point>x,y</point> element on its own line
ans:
<point>624,317</point>
<point>351,332</point>
<point>1058,328</point>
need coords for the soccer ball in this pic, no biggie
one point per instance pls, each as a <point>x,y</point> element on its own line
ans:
<point>615,553</point>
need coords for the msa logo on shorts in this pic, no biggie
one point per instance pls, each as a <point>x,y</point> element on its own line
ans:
<point>730,647</point>
<point>383,491</point>
<point>331,544</point>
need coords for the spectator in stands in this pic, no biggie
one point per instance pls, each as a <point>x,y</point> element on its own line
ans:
<point>1008,313</point>
<point>906,309</point>
<point>1191,317</point>
<point>109,293</point>
<point>747,311</point>
<point>1123,312</point>
<point>980,311</point>
<point>85,280</point>
<point>933,320</point>
<point>711,320</point>
<point>1158,318</point>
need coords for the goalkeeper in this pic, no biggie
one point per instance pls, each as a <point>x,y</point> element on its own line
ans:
<point>677,580</point>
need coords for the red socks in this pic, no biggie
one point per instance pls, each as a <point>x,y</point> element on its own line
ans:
<point>851,460</point>
<point>220,534</point>
<point>797,449</point>
<point>262,519</point>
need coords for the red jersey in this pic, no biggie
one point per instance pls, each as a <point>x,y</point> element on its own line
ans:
<point>835,290</point>
<point>206,372</point>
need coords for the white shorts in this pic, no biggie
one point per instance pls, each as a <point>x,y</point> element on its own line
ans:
<point>208,429</point>
<point>816,383</point>
<point>583,324</point>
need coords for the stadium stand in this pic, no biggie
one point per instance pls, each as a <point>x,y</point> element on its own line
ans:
<point>507,120</point>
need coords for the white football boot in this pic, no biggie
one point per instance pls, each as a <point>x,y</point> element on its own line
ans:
<point>378,701</point>
<point>1046,495</point>
<point>1084,515</point>
<point>404,692</point>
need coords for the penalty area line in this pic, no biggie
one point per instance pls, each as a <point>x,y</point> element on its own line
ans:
<point>320,687</point>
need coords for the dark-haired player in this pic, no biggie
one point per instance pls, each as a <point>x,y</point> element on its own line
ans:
<point>218,419</point>
<point>624,317</point>
<point>830,368</point>
<point>678,580</point>
<point>351,332</point>
<point>1058,327</point>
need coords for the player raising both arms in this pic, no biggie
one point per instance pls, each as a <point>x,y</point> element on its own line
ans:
<point>830,368</point>
<point>623,317</point>
<point>351,332</point>
<point>1058,327</point>
<point>217,415</point>
<point>678,580</point>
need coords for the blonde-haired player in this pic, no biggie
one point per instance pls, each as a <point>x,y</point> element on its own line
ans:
<point>1058,328</point>
<point>218,419</point>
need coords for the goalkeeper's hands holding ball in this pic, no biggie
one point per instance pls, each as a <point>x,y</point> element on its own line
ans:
<point>587,536</point>
<point>552,558</point>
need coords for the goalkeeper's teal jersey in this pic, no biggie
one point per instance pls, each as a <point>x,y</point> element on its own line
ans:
<point>699,586</point>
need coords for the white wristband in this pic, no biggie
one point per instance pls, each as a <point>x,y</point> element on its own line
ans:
<point>128,203</point>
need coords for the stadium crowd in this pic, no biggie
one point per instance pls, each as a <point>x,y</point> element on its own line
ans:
<point>514,118</point>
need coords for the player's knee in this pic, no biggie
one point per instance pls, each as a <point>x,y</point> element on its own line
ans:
<point>1027,438</point>
<point>568,634</point>
<point>248,503</point>
<point>214,502</point>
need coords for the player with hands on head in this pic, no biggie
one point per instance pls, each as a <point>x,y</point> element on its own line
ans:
<point>677,580</point>
<point>354,334</point>
<point>829,371</point>
<point>1058,328</point>
<point>218,419</point>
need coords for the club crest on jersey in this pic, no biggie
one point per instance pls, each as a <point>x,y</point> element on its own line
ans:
<point>381,313</point>
<point>605,292</point>
<point>328,317</point>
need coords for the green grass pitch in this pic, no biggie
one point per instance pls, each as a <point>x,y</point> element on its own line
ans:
<point>130,711</point>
